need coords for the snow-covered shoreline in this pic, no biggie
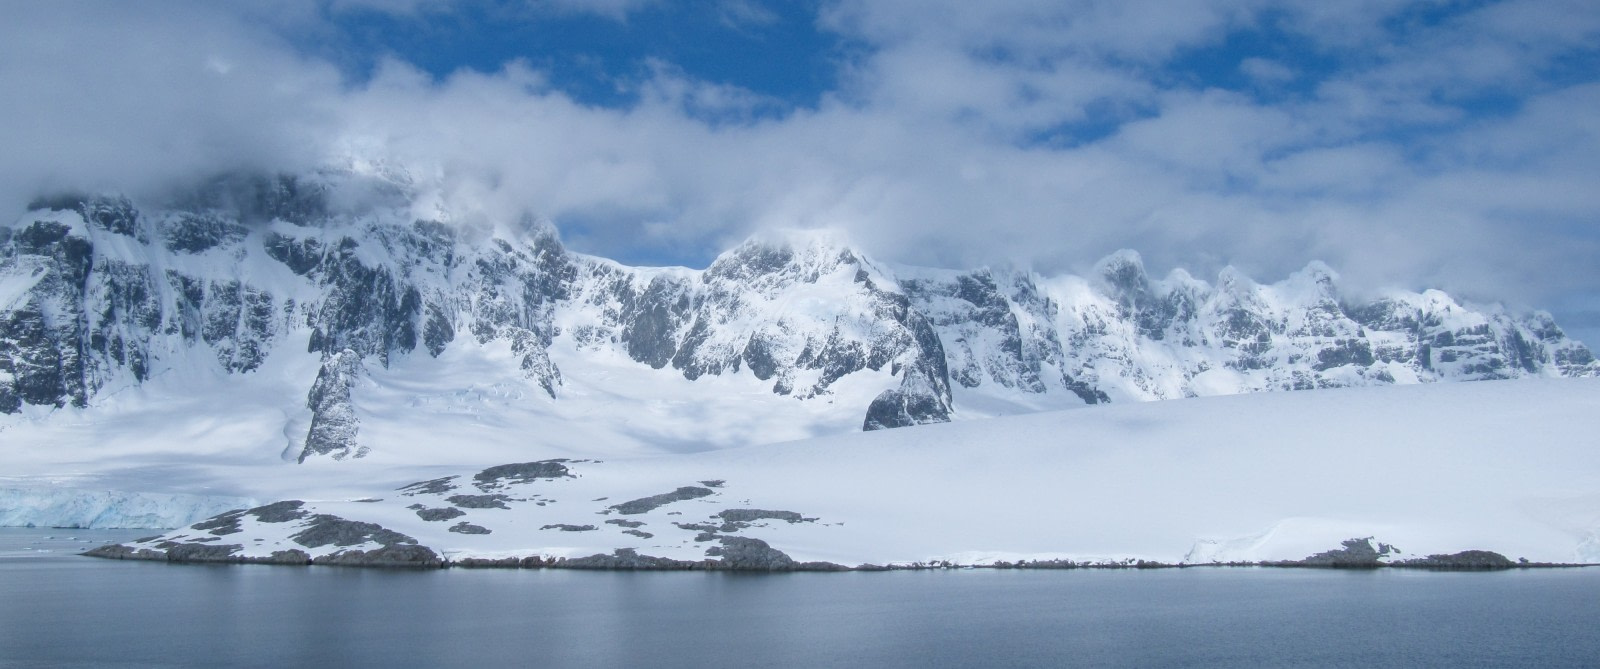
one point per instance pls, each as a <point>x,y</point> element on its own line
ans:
<point>1509,467</point>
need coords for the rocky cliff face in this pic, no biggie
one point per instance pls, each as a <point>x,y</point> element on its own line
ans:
<point>1119,335</point>
<point>98,292</point>
<point>802,312</point>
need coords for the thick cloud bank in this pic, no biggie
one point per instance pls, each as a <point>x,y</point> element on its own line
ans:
<point>1405,143</point>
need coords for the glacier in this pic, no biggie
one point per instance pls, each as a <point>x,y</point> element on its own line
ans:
<point>40,506</point>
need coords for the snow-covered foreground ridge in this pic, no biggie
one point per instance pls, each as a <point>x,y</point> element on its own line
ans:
<point>1510,467</point>
<point>337,311</point>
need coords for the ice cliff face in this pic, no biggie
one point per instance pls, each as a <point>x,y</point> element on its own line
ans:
<point>98,293</point>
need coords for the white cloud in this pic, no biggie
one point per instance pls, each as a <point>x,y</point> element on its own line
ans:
<point>116,96</point>
<point>1266,71</point>
<point>927,152</point>
<point>613,9</point>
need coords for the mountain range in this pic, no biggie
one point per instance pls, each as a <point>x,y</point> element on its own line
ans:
<point>333,286</point>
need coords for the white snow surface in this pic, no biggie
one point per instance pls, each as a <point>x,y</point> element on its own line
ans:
<point>1508,466</point>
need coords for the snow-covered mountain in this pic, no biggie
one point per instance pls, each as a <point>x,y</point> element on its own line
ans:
<point>347,306</point>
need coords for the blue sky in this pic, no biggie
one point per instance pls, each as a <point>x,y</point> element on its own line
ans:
<point>1410,144</point>
<point>597,58</point>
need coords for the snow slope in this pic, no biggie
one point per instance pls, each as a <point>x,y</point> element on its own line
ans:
<point>1507,466</point>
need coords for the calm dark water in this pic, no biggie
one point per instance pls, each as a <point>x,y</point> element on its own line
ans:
<point>60,610</point>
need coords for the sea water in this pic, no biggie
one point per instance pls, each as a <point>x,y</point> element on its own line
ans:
<point>60,609</point>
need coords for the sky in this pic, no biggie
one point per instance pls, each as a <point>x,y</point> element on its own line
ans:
<point>1408,144</point>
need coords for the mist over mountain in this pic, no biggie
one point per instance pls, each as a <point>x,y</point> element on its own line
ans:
<point>342,285</point>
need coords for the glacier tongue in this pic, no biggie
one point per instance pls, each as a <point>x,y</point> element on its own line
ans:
<point>108,509</point>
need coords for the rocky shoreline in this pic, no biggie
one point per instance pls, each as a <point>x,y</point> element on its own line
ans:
<point>754,555</point>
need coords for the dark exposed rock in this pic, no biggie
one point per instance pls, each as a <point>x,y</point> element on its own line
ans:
<point>646,504</point>
<point>221,524</point>
<point>280,512</point>
<point>1356,554</point>
<point>499,563</point>
<point>639,533</point>
<point>199,232</point>
<point>435,515</point>
<point>624,522</point>
<point>438,486</point>
<point>898,408</point>
<point>569,528</point>
<point>525,472</point>
<point>749,515</point>
<point>334,424</point>
<point>122,552</point>
<point>438,331</point>
<point>116,215</point>
<point>286,557</point>
<point>300,255</point>
<point>1344,352</point>
<point>398,555</point>
<point>1473,560</point>
<point>744,553</point>
<point>324,529</point>
<point>699,527</point>
<point>366,310</point>
<point>626,558</point>
<point>479,501</point>
<point>198,552</point>
<point>465,527</point>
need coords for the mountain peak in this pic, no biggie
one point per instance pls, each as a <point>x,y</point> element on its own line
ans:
<point>1123,273</point>
<point>802,254</point>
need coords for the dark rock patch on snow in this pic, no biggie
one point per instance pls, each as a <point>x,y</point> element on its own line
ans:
<point>751,515</point>
<point>570,528</point>
<point>324,529</point>
<point>221,524</point>
<point>646,504</point>
<point>435,515</point>
<point>280,512</point>
<point>639,533</point>
<point>437,486</point>
<point>197,552</point>
<point>479,501</point>
<point>625,523</point>
<point>498,477</point>
<point>334,423</point>
<point>699,527</point>
<point>465,527</point>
